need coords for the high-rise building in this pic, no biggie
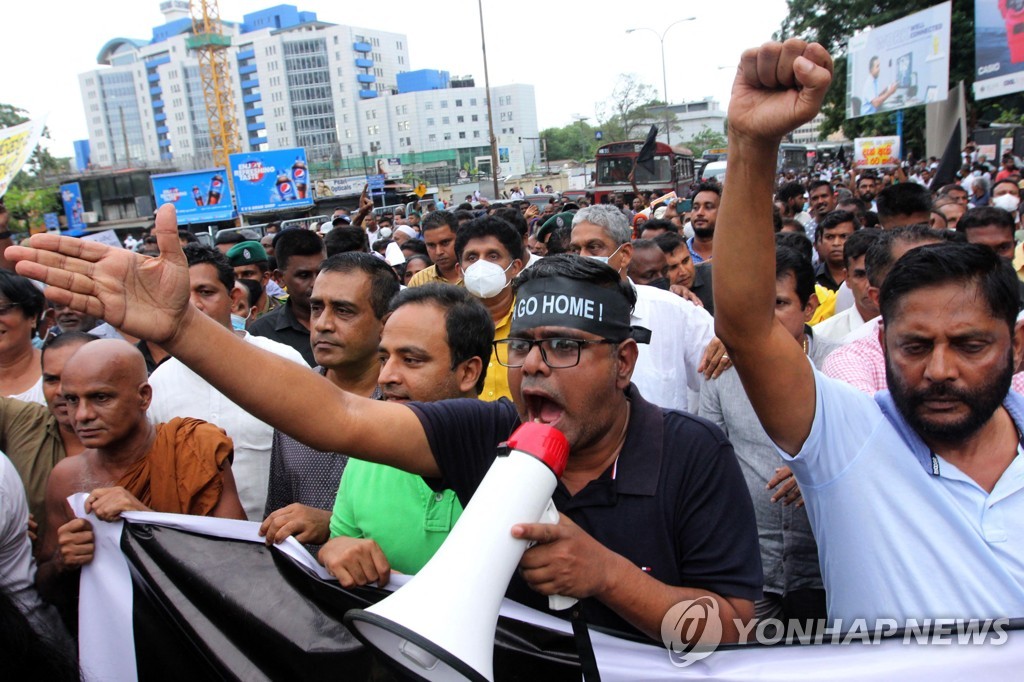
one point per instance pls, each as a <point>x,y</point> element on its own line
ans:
<point>345,94</point>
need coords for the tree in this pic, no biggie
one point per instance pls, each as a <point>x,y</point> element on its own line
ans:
<point>574,141</point>
<point>832,23</point>
<point>27,206</point>
<point>704,140</point>
<point>627,114</point>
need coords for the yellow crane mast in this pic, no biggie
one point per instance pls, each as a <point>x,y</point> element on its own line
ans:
<point>211,47</point>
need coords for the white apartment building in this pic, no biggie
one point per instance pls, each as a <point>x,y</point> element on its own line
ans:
<point>809,132</point>
<point>298,82</point>
<point>690,119</point>
<point>421,125</point>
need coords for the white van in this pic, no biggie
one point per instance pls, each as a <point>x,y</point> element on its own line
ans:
<point>714,171</point>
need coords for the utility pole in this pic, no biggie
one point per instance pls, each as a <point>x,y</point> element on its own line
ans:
<point>490,115</point>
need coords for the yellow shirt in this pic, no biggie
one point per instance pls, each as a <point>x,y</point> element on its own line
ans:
<point>496,382</point>
<point>430,275</point>
<point>1018,260</point>
<point>826,304</point>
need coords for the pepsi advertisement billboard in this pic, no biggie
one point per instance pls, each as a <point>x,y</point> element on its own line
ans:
<point>267,181</point>
<point>71,197</point>
<point>197,196</point>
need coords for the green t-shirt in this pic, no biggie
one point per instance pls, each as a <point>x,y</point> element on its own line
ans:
<point>396,509</point>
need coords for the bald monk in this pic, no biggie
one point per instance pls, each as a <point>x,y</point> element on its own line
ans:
<point>128,464</point>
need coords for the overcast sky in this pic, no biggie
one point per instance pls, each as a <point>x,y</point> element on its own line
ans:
<point>571,51</point>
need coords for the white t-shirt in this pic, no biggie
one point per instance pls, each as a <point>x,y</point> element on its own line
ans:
<point>666,369</point>
<point>840,325</point>
<point>180,392</point>
<point>33,394</point>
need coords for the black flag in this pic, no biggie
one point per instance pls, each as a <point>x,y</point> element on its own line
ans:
<point>842,155</point>
<point>646,156</point>
<point>950,162</point>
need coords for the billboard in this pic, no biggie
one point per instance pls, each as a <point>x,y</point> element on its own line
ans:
<point>340,187</point>
<point>71,197</point>
<point>266,181</point>
<point>17,144</point>
<point>902,64</point>
<point>390,168</point>
<point>998,47</point>
<point>876,152</point>
<point>198,196</point>
<point>511,160</point>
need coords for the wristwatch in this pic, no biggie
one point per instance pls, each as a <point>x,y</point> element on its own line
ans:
<point>1013,15</point>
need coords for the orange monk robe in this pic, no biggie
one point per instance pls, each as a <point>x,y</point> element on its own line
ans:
<point>181,474</point>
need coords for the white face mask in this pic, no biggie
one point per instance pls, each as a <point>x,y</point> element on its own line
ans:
<point>605,259</point>
<point>485,279</point>
<point>1007,202</point>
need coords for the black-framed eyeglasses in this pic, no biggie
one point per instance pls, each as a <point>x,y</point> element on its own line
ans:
<point>557,353</point>
<point>8,307</point>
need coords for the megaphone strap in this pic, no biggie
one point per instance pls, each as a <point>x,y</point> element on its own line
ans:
<point>584,647</point>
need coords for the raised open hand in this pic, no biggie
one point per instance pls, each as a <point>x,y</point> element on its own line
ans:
<point>146,297</point>
<point>778,87</point>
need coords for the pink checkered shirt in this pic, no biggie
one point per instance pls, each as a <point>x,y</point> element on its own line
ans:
<point>860,363</point>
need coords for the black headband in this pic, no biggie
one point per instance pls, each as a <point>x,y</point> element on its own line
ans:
<point>573,303</point>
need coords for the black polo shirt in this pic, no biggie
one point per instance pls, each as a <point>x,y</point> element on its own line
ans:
<point>823,277</point>
<point>280,325</point>
<point>675,503</point>
<point>702,286</point>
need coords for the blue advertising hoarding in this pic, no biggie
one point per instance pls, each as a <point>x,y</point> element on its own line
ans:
<point>375,183</point>
<point>71,197</point>
<point>197,196</point>
<point>267,181</point>
<point>998,47</point>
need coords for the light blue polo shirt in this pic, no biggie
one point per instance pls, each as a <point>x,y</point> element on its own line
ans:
<point>902,534</point>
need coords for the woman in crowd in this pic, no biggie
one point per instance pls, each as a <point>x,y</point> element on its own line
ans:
<point>21,308</point>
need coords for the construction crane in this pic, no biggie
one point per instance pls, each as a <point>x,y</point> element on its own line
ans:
<point>211,46</point>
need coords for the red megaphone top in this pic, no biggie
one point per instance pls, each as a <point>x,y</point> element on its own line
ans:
<point>544,442</point>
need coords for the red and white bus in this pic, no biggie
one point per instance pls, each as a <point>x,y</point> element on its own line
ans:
<point>673,170</point>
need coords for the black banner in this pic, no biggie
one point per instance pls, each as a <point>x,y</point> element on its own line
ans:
<point>209,608</point>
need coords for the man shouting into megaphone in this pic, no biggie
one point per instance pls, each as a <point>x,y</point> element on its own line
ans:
<point>654,508</point>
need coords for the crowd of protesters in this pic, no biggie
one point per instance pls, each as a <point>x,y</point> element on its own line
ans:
<point>800,400</point>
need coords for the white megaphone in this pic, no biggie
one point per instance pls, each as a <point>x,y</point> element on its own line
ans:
<point>440,625</point>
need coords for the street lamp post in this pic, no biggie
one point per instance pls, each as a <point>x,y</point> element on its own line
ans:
<point>664,78</point>
<point>490,116</point>
<point>583,134</point>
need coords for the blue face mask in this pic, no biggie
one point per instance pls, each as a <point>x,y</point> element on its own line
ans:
<point>237,323</point>
<point>605,259</point>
